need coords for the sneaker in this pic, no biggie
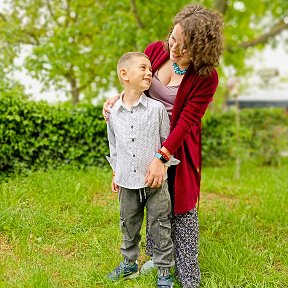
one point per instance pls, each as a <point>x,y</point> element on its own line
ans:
<point>165,281</point>
<point>124,270</point>
<point>147,267</point>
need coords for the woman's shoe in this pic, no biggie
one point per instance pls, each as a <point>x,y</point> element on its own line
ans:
<point>165,281</point>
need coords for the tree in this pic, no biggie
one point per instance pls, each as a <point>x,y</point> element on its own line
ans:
<point>75,44</point>
<point>250,24</point>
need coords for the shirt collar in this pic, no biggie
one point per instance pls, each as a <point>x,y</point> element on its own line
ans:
<point>142,100</point>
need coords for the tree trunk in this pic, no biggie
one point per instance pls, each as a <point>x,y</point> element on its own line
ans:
<point>74,91</point>
<point>136,15</point>
<point>221,6</point>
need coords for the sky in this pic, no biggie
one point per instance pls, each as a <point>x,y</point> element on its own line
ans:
<point>273,58</point>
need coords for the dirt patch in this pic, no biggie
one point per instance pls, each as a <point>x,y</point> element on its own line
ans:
<point>66,252</point>
<point>210,200</point>
<point>278,266</point>
<point>5,246</point>
<point>104,198</point>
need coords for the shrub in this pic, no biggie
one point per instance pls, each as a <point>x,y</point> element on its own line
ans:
<point>262,136</point>
<point>36,135</point>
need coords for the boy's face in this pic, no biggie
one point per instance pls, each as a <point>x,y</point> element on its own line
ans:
<point>139,73</point>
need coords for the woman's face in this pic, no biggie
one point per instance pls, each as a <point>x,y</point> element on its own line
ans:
<point>178,52</point>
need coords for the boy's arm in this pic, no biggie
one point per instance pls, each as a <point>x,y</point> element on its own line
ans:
<point>164,128</point>
<point>164,133</point>
<point>113,154</point>
<point>112,146</point>
<point>114,186</point>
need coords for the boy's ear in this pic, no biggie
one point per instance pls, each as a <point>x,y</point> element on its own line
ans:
<point>123,74</point>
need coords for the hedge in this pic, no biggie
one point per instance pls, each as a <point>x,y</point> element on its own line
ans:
<point>36,135</point>
<point>260,136</point>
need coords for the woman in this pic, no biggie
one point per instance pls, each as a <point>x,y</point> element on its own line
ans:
<point>185,80</point>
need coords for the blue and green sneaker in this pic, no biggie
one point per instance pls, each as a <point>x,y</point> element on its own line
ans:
<point>124,270</point>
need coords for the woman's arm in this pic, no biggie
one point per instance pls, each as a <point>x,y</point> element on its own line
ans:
<point>157,166</point>
<point>190,116</point>
<point>156,171</point>
<point>192,111</point>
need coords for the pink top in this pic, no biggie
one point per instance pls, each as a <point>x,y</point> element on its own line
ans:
<point>164,93</point>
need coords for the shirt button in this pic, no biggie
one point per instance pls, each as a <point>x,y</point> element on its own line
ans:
<point>133,155</point>
<point>131,112</point>
<point>134,170</point>
<point>132,126</point>
<point>132,140</point>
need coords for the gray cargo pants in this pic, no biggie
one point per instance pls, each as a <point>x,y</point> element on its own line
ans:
<point>158,205</point>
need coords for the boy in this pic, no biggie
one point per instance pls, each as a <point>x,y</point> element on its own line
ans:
<point>136,128</point>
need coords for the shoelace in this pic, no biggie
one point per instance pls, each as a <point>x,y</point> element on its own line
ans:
<point>119,268</point>
<point>164,272</point>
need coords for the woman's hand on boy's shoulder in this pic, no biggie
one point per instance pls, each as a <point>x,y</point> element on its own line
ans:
<point>108,104</point>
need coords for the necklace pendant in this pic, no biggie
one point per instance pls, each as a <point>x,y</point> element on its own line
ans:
<point>177,69</point>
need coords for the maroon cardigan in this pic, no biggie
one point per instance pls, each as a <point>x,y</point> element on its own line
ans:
<point>192,99</point>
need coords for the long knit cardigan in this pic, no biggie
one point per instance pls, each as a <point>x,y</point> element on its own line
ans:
<point>192,99</point>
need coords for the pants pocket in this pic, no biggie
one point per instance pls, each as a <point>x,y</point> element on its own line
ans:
<point>164,232</point>
<point>124,229</point>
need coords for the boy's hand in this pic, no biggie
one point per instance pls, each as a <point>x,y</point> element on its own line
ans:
<point>155,174</point>
<point>114,186</point>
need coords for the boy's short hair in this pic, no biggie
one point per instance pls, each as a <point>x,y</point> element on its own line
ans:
<point>126,58</point>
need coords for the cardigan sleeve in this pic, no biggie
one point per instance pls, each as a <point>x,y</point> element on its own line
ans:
<point>192,112</point>
<point>153,50</point>
<point>157,54</point>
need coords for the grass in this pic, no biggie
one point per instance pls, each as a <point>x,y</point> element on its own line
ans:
<point>60,229</point>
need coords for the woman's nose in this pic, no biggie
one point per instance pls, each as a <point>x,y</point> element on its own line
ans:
<point>174,47</point>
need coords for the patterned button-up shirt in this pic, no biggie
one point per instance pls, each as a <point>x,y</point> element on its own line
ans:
<point>134,135</point>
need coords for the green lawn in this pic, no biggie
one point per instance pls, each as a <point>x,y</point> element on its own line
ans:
<point>60,229</point>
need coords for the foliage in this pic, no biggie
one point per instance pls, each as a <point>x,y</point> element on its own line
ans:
<point>9,85</point>
<point>262,134</point>
<point>60,228</point>
<point>75,45</point>
<point>266,134</point>
<point>34,135</point>
<point>218,139</point>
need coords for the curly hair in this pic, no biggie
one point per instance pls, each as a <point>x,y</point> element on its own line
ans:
<point>203,36</point>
